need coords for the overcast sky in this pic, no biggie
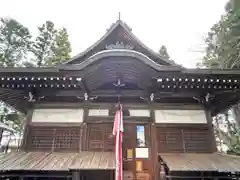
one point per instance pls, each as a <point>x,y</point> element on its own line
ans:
<point>179,24</point>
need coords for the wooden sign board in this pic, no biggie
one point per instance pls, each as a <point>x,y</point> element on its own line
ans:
<point>127,175</point>
<point>142,153</point>
<point>129,154</point>
<point>139,166</point>
<point>143,176</point>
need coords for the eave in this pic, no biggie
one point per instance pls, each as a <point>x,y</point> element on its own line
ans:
<point>182,86</point>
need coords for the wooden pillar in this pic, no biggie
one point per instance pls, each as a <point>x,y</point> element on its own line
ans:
<point>84,136</point>
<point>154,146</point>
<point>154,152</point>
<point>26,129</point>
<point>111,175</point>
<point>75,175</point>
<point>162,172</point>
<point>211,131</point>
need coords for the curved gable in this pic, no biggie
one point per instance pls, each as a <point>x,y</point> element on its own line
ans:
<point>115,53</point>
<point>119,33</point>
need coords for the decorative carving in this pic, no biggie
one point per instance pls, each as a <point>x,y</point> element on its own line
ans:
<point>31,97</point>
<point>119,45</point>
<point>207,97</point>
<point>204,100</point>
<point>152,97</point>
<point>93,98</point>
<point>85,96</point>
<point>119,84</point>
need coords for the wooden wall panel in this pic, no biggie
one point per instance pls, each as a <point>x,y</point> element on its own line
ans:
<point>99,137</point>
<point>169,140</point>
<point>183,139</point>
<point>40,138</point>
<point>196,140</point>
<point>54,138</point>
<point>67,138</point>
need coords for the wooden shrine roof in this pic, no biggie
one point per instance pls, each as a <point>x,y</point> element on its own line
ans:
<point>201,162</point>
<point>53,161</point>
<point>129,75</point>
<point>119,34</point>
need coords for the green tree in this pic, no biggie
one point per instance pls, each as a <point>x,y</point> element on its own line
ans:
<point>223,41</point>
<point>235,5</point>
<point>222,51</point>
<point>50,47</point>
<point>11,117</point>
<point>42,46</point>
<point>231,137</point>
<point>216,56</point>
<point>61,48</point>
<point>163,52</point>
<point>15,41</point>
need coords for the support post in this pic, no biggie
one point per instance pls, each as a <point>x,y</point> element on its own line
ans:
<point>23,145</point>
<point>76,175</point>
<point>162,172</point>
<point>211,131</point>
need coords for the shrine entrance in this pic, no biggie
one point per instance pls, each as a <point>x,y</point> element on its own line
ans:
<point>137,164</point>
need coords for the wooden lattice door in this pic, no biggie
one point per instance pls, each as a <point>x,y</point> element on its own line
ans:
<point>99,137</point>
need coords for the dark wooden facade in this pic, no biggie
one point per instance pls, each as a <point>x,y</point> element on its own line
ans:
<point>94,135</point>
<point>116,69</point>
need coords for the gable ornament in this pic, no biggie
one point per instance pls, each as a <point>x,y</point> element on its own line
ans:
<point>119,45</point>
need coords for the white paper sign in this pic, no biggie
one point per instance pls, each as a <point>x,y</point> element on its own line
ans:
<point>141,152</point>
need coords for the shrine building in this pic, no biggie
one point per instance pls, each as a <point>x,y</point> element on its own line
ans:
<point>167,115</point>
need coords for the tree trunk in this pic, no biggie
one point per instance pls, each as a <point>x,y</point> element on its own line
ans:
<point>218,134</point>
<point>1,130</point>
<point>1,134</point>
<point>236,114</point>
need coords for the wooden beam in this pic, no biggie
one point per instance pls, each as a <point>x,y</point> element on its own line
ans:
<point>58,93</point>
<point>122,92</point>
<point>35,174</point>
<point>176,94</point>
<point>199,177</point>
